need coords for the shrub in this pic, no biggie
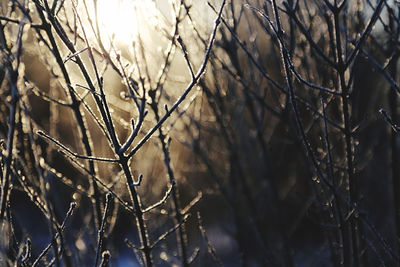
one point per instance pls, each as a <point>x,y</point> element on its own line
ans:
<point>274,125</point>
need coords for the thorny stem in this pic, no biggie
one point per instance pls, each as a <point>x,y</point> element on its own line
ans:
<point>12,80</point>
<point>10,142</point>
<point>353,185</point>
<point>124,160</point>
<point>188,89</point>
<point>144,239</point>
<point>174,194</point>
<point>101,231</point>
<point>288,77</point>
<point>337,205</point>
<point>75,106</point>
<point>178,218</point>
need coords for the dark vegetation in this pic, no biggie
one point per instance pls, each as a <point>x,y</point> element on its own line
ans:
<point>237,133</point>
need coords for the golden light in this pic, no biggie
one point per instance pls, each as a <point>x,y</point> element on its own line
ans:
<point>121,21</point>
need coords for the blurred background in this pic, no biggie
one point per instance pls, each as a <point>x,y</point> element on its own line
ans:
<point>260,165</point>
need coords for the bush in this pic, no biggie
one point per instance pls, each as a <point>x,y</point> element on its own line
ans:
<point>249,133</point>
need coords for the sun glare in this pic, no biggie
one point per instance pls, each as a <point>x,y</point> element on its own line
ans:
<point>122,20</point>
<point>118,19</point>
